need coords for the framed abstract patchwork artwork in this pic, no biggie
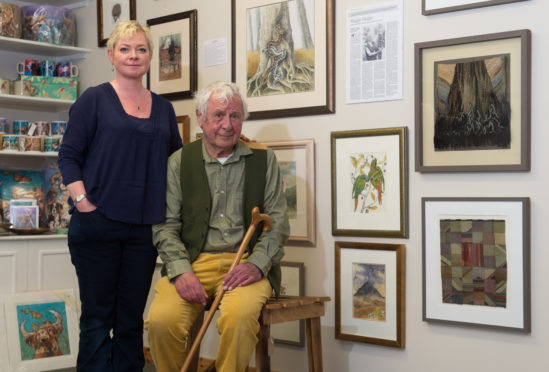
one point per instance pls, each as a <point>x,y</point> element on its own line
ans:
<point>476,261</point>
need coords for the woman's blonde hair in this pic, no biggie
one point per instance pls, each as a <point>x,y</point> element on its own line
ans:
<point>126,30</point>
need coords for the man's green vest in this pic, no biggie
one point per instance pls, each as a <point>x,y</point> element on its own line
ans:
<point>196,200</point>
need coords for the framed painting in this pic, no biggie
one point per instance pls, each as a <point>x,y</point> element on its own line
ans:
<point>184,125</point>
<point>370,293</point>
<point>293,284</point>
<point>173,71</point>
<point>370,182</point>
<point>473,103</point>
<point>109,14</point>
<point>48,313</point>
<point>296,160</point>
<point>429,7</point>
<point>283,56</point>
<point>476,262</point>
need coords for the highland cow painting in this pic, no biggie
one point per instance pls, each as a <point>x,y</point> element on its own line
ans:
<point>472,107</point>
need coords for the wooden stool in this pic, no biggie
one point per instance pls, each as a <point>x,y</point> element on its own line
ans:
<point>285,309</point>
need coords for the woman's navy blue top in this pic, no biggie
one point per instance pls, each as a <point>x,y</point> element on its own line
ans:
<point>121,159</point>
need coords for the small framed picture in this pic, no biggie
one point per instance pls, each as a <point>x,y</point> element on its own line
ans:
<point>109,14</point>
<point>296,160</point>
<point>476,262</point>
<point>429,7</point>
<point>370,293</point>
<point>370,182</point>
<point>173,72</point>
<point>42,330</point>
<point>184,125</point>
<point>293,284</point>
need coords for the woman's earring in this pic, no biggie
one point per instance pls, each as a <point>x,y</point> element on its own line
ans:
<point>112,67</point>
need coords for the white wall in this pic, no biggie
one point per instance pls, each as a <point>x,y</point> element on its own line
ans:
<point>429,347</point>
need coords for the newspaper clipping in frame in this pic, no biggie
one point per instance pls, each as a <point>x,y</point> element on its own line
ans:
<point>374,52</point>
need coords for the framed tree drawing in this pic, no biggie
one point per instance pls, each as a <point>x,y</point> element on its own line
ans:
<point>473,103</point>
<point>370,293</point>
<point>476,262</point>
<point>109,14</point>
<point>296,160</point>
<point>283,56</point>
<point>370,182</point>
<point>173,70</point>
<point>429,7</point>
<point>42,330</point>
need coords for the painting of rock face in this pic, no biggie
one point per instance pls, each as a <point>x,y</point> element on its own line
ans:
<point>280,48</point>
<point>473,262</point>
<point>472,108</point>
<point>369,291</point>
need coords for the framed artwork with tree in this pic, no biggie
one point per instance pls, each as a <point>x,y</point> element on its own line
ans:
<point>283,56</point>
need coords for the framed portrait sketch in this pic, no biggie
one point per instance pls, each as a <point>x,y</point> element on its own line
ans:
<point>109,14</point>
<point>370,293</point>
<point>283,56</point>
<point>293,284</point>
<point>473,103</point>
<point>184,125</point>
<point>476,262</point>
<point>370,182</point>
<point>296,160</point>
<point>429,7</point>
<point>50,314</point>
<point>173,71</point>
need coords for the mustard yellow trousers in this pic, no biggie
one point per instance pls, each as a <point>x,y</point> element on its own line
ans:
<point>170,317</point>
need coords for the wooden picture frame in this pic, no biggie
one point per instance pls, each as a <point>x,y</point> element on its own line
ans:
<point>485,132</point>
<point>370,293</point>
<point>173,73</point>
<point>296,160</point>
<point>30,312</point>
<point>370,182</point>
<point>109,14</point>
<point>293,284</point>
<point>429,7</point>
<point>292,76</point>
<point>476,262</point>
<point>184,125</point>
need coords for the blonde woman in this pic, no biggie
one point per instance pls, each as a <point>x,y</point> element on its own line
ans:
<point>113,160</point>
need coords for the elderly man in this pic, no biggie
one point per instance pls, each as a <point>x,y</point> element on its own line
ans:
<point>213,184</point>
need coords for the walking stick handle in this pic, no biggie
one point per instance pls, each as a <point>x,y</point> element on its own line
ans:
<point>257,218</point>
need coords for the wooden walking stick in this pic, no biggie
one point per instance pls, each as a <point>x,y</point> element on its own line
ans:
<point>256,219</point>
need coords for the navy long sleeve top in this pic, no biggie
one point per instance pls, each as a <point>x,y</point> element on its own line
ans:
<point>121,159</point>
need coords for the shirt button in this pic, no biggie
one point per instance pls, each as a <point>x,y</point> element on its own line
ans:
<point>225,234</point>
<point>221,215</point>
<point>222,192</point>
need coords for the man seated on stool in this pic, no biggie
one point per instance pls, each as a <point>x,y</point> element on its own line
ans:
<point>213,184</point>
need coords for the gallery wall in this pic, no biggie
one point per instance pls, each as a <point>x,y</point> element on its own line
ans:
<point>429,346</point>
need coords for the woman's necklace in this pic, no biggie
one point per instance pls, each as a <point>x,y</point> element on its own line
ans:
<point>127,99</point>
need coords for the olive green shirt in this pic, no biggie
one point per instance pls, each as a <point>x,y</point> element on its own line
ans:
<point>226,225</point>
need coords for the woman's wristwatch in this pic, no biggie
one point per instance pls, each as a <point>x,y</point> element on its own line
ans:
<point>79,198</point>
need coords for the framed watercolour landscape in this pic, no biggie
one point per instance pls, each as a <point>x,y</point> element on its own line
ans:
<point>370,293</point>
<point>429,7</point>
<point>50,314</point>
<point>473,103</point>
<point>296,160</point>
<point>370,182</point>
<point>476,262</point>
<point>173,70</point>
<point>283,56</point>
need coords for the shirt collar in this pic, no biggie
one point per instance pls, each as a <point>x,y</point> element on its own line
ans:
<point>240,150</point>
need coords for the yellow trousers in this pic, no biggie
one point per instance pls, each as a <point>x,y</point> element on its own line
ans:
<point>171,317</point>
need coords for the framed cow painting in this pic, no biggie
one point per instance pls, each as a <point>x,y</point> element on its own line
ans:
<point>42,330</point>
